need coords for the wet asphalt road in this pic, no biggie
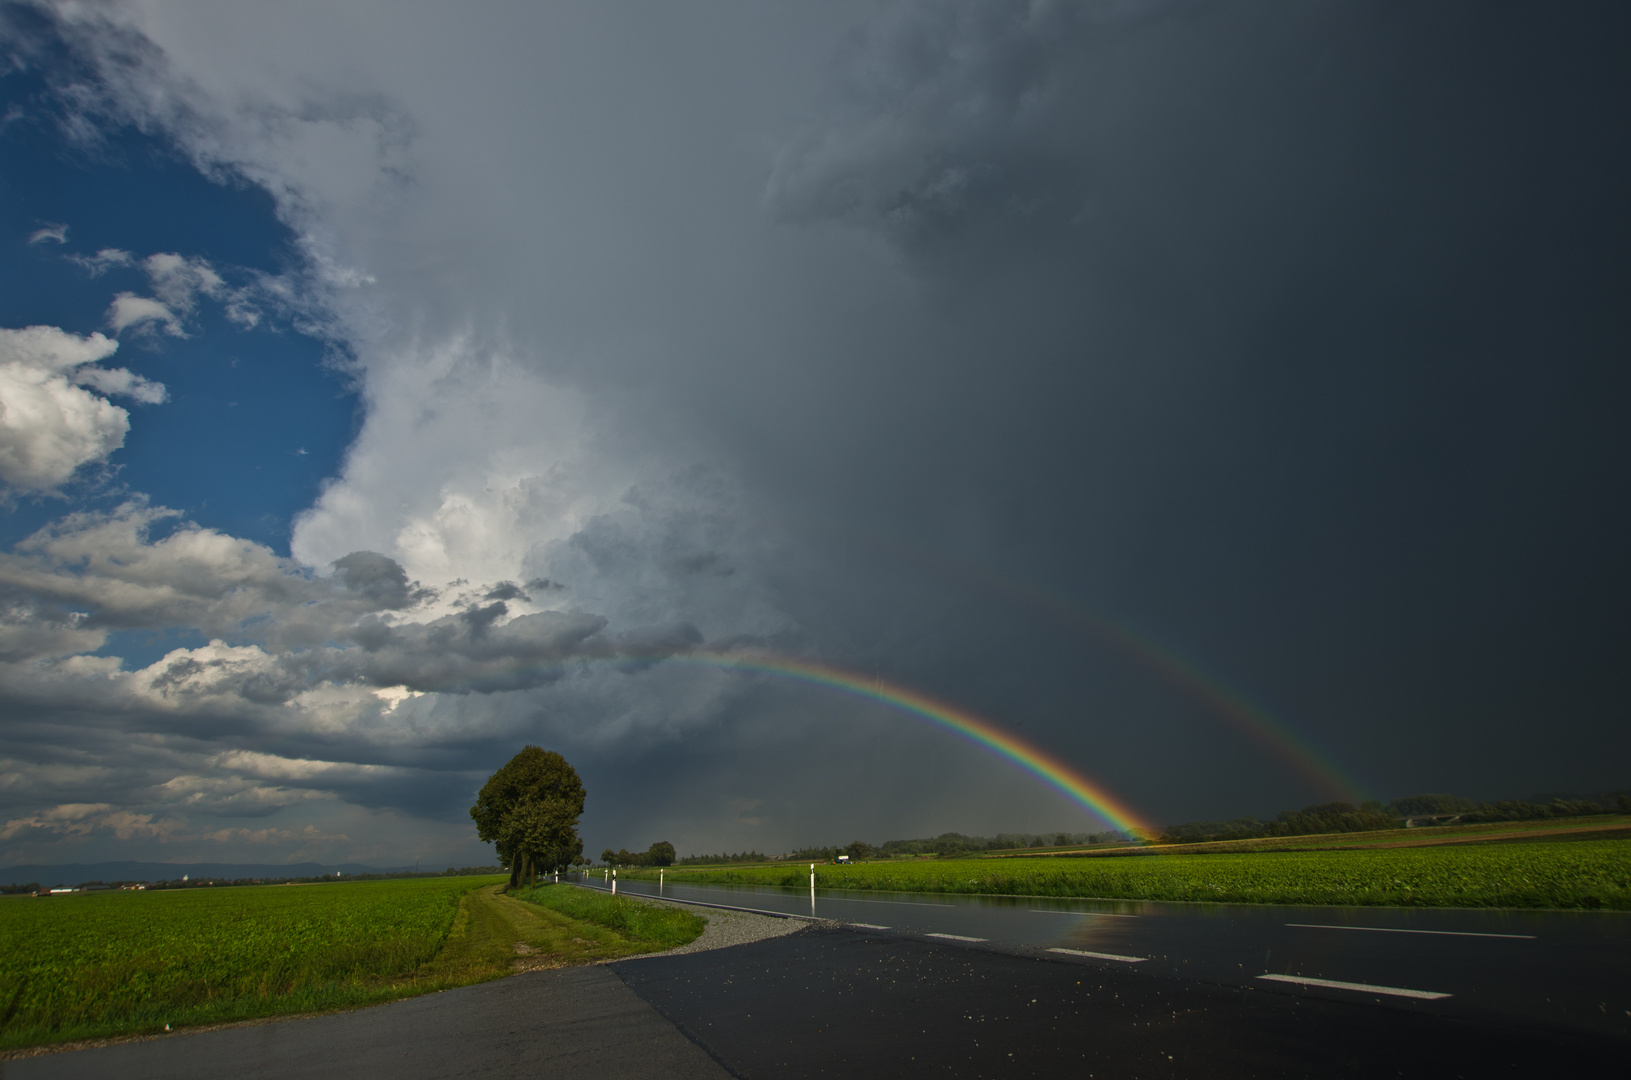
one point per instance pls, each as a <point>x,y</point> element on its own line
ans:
<point>833,1002</point>
<point>830,1001</point>
<point>1565,970</point>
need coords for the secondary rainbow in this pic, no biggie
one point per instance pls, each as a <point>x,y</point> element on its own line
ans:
<point>1167,663</point>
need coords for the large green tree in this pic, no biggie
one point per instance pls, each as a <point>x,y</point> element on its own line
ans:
<point>528,810</point>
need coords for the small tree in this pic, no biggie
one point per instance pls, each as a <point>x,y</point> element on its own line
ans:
<point>660,854</point>
<point>529,811</point>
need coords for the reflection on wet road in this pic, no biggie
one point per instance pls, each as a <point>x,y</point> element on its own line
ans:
<point>1555,968</point>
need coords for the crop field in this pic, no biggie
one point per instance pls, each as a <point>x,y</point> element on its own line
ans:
<point>1605,826</point>
<point>1553,829</point>
<point>85,966</point>
<point>97,965</point>
<point>1580,874</point>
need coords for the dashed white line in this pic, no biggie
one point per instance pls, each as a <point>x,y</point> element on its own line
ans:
<point>955,937</point>
<point>1401,930</point>
<point>1102,955</point>
<point>1364,988</point>
<point>869,926</point>
<point>1099,914</point>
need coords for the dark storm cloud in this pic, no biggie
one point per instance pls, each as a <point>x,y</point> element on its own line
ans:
<point>949,122</point>
<point>380,579</point>
<point>467,649</point>
<point>1280,333</point>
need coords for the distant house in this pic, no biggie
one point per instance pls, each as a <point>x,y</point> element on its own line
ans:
<point>1422,820</point>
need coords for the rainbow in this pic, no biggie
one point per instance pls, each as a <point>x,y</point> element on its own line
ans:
<point>1050,769</point>
<point>977,730</point>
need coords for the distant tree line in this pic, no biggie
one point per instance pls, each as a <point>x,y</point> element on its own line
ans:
<point>1346,817</point>
<point>722,858</point>
<point>659,854</point>
<point>1519,810</point>
<point>205,883</point>
<point>1325,818</point>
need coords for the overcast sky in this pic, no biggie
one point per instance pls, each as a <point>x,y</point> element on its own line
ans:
<point>1228,398</point>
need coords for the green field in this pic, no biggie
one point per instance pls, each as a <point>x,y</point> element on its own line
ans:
<point>1580,874</point>
<point>117,963</point>
<point>1607,826</point>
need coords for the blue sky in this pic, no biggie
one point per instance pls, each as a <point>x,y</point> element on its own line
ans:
<point>470,365</point>
<point>255,418</point>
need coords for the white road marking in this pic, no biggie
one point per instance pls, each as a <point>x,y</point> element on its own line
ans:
<point>1364,988</point>
<point>869,926</point>
<point>1398,930</point>
<point>1102,955</point>
<point>955,937</point>
<point>1100,914</point>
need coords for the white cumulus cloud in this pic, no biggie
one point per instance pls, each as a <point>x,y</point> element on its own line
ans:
<point>104,260</point>
<point>128,310</point>
<point>50,424</point>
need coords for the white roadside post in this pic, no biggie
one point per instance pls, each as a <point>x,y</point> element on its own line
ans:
<point>812,888</point>
<point>614,882</point>
<point>660,874</point>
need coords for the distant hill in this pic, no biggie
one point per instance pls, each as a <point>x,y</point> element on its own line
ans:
<point>78,873</point>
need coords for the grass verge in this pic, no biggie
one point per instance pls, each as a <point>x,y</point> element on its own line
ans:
<point>1583,874</point>
<point>650,925</point>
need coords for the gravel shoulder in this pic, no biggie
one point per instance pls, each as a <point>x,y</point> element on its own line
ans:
<point>727,928</point>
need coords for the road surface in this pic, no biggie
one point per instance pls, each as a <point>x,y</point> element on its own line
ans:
<point>1547,968</point>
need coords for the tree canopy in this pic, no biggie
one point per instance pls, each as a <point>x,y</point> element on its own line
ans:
<point>659,854</point>
<point>529,811</point>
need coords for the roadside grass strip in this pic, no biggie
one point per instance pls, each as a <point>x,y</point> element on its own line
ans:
<point>1363,988</point>
<point>1102,955</point>
<point>644,927</point>
<point>1588,874</point>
